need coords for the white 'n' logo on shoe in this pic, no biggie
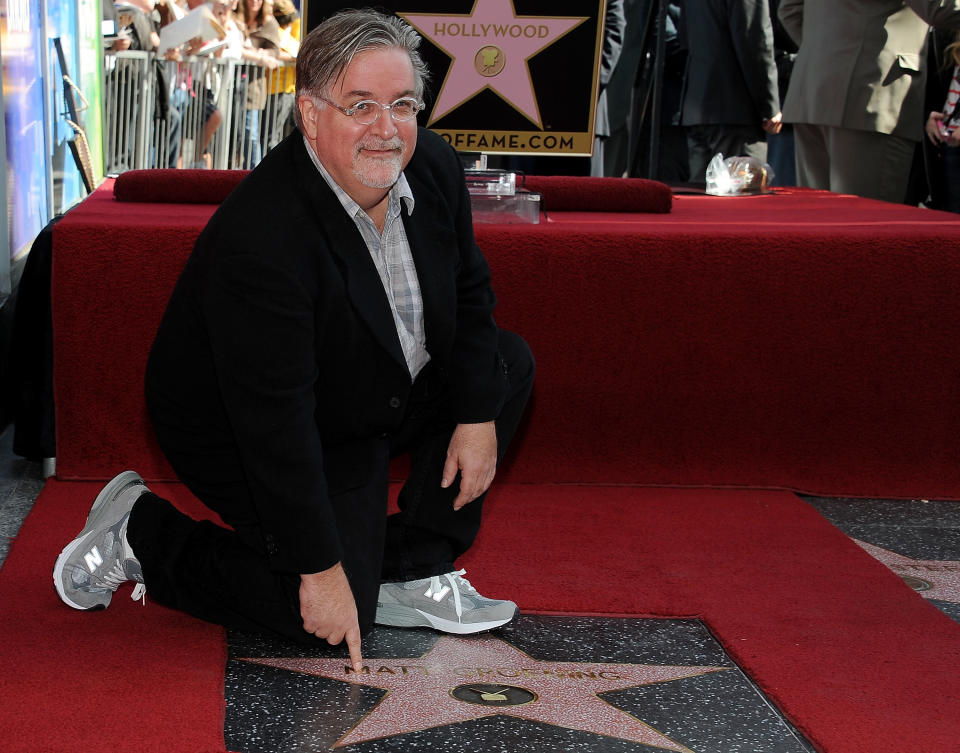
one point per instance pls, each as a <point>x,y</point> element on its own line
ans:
<point>93,559</point>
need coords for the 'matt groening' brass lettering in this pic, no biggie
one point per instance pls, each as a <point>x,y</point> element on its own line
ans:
<point>486,672</point>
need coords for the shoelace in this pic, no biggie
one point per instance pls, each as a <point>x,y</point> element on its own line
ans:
<point>113,577</point>
<point>437,592</point>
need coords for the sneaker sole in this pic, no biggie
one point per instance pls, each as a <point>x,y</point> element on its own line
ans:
<point>113,488</point>
<point>401,616</point>
<point>58,578</point>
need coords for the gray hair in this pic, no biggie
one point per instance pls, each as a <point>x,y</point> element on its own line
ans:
<point>330,47</point>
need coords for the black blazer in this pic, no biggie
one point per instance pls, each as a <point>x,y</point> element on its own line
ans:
<point>278,342</point>
<point>731,76</point>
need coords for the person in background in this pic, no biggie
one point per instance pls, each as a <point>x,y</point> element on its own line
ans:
<point>138,25</point>
<point>288,17</point>
<point>194,97</point>
<point>857,90</point>
<point>282,83</point>
<point>730,97</point>
<point>943,131</point>
<point>781,154</point>
<point>673,160</point>
<point>619,92</point>
<point>263,37</point>
<point>614,28</point>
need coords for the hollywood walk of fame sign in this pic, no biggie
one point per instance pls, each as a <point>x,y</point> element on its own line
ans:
<point>510,76</point>
<point>933,579</point>
<point>461,679</point>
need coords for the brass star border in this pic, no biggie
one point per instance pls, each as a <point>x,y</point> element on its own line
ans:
<point>463,678</point>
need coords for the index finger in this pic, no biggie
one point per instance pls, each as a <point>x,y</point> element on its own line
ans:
<point>469,488</point>
<point>353,646</point>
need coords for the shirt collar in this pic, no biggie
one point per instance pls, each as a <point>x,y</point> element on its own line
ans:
<point>400,190</point>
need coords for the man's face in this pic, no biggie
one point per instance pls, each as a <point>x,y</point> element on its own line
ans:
<point>365,160</point>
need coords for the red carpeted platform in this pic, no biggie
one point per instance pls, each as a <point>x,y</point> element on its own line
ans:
<point>801,340</point>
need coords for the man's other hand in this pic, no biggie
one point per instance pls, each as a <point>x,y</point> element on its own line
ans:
<point>329,611</point>
<point>473,452</point>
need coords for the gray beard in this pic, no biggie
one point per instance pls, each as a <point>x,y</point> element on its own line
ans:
<point>377,173</point>
<point>376,177</point>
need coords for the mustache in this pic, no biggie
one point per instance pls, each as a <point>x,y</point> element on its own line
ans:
<point>379,144</point>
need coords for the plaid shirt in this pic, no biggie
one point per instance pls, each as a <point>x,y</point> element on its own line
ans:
<point>393,259</point>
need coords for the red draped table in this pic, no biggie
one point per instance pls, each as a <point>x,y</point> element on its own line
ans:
<point>800,340</point>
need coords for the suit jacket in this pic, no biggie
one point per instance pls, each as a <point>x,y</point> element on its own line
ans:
<point>614,27</point>
<point>862,63</point>
<point>623,78</point>
<point>731,73</point>
<point>278,342</point>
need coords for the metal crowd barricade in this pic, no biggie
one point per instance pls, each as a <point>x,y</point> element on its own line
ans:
<point>128,108</point>
<point>201,112</point>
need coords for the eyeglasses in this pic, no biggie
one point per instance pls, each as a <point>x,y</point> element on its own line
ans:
<point>368,112</point>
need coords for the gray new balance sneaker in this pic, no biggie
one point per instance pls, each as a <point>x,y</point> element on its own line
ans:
<point>447,603</point>
<point>90,567</point>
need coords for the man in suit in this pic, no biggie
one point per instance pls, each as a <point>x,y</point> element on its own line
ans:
<point>730,99</point>
<point>857,88</point>
<point>614,28</point>
<point>302,348</point>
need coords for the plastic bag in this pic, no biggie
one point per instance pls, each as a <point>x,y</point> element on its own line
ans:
<point>738,176</point>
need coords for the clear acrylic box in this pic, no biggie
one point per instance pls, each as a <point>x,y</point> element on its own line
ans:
<point>494,196</point>
<point>523,207</point>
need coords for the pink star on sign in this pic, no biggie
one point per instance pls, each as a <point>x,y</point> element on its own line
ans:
<point>489,48</point>
<point>460,679</point>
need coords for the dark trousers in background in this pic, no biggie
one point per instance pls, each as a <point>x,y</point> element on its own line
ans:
<point>845,160</point>
<point>782,157</point>
<point>944,176</point>
<point>706,141</point>
<point>224,576</point>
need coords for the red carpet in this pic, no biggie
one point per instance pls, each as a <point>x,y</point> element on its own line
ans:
<point>131,678</point>
<point>855,659</point>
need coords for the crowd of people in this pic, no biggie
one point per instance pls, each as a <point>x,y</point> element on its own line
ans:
<point>262,36</point>
<point>831,95</point>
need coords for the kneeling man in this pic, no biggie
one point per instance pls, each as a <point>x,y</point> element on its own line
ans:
<point>335,311</point>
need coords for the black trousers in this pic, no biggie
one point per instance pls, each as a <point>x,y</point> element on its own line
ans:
<point>224,576</point>
<point>705,141</point>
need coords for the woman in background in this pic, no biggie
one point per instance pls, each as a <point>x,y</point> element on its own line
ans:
<point>282,83</point>
<point>261,48</point>
<point>943,130</point>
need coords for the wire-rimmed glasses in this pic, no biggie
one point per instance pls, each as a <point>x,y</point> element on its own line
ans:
<point>368,111</point>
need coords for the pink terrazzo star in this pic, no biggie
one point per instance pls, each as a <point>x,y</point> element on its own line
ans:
<point>943,576</point>
<point>492,38</point>
<point>420,691</point>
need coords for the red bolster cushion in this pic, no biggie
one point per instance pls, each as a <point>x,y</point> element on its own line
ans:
<point>169,186</point>
<point>562,193</point>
